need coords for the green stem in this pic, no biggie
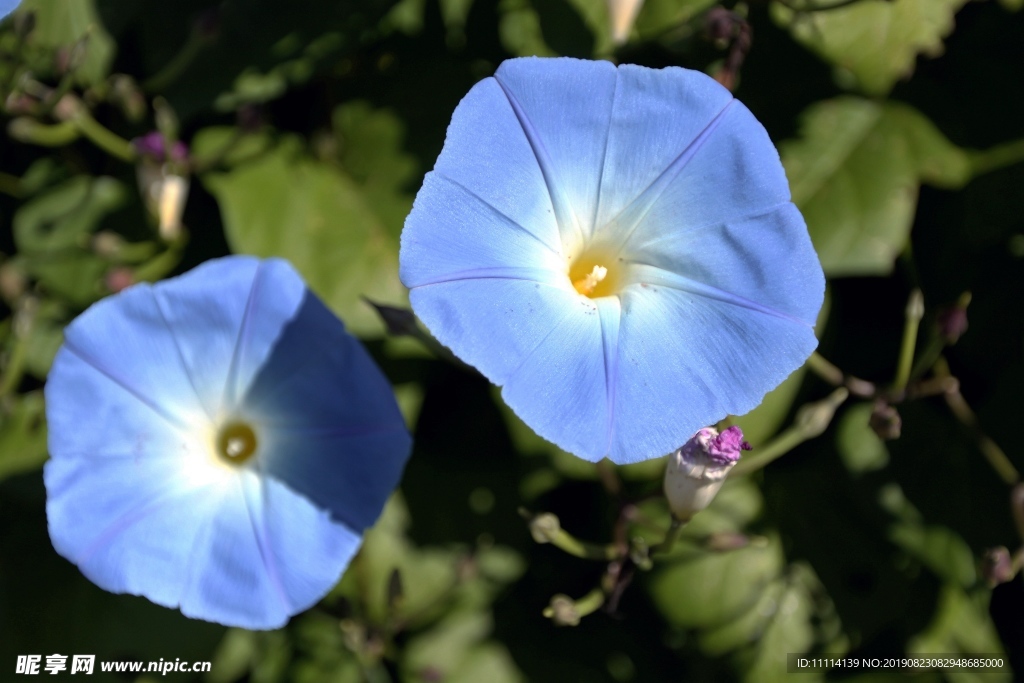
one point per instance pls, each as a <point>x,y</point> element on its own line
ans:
<point>590,603</point>
<point>811,421</point>
<point>173,69</point>
<point>24,129</point>
<point>927,357</point>
<point>16,361</point>
<point>824,369</point>
<point>162,264</point>
<point>565,541</point>
<point>776,448</point>
<point>670,537</point>
<point>1000,156</point>
<point>102,137</point>
<point>989,448</point>
<point>914,313</point>
<point>821,367</point>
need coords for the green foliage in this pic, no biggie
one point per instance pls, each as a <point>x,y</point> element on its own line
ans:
<point>873,43</point>
<point>855,173</point>
<point>337,221</point>
<point>74,27</point>
<point>859,446</point>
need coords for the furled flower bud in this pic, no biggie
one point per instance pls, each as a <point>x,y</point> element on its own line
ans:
<point>698,469</point>
<point>162,181</point>
<point>886,421</point>
<point>997,566</point>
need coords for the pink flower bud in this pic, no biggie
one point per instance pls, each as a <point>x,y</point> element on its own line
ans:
<point>697,470</point>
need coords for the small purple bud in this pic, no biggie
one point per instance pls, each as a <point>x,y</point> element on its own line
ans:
<point>886,422</point>
<point>997,566</point>
<point>152,145</point>
<point>952,323</point>
<point>697,471</point>
<point>208,24</point>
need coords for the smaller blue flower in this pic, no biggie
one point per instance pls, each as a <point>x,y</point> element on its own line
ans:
<point>7,6</point>
<point>218,443</point>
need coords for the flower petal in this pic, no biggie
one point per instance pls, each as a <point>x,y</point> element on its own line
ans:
<point>564,107</point>
<point>476,237</point>
<point>329,425</point>
<point>730,171</point>
<point>148,366</point>
<point>657,117</point>
<point>687,360</point>
<point>269,553</point>
<point>764,261</point>
<point>487,153</point>
<point>494,324</point>
<point>225,339</point>
<point>561,389</point>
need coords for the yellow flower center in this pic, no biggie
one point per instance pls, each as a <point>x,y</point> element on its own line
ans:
<point>236,442</point>
<point>595,274</point>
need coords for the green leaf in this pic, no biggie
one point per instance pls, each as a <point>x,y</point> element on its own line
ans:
<point>658,18</point>
<point>873,43</point>
<point>855,174</point>
<point>427,573</point>
<point>489,662</point>
<point>45,338</point>
<point>62,217</point>
<point>939,548</point>
<point>444,648</point>
<point>788,628</point>
<point>961,626</point>
<point>22,434</point>
<point>858,445</point>
<point>64,24</point>
<point>370,149</point>
<point>1012,5</point>
<point>711,589</point>
<point>314,214</point>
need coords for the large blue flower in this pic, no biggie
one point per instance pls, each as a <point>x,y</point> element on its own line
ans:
<point>617,248</point>
<point>218,442</point>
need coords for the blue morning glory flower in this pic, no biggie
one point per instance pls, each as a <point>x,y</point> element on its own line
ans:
<point>218,442</point>
<point>7,6</point>
<point>617,248</point>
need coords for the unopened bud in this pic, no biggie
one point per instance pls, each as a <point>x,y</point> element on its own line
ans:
<point>997,566</point>
<point>562,610</point>
<point>952,321</point>
<point>250,118</point>
<point>208,24</point>
<point>640,554</point>
<point>152,145</point>
<point>13,282</point>
<point>621,15</point>
<point>886,422</point>
<point>544,527</point>
<point>697,471</point>
<point>68,108</point>
<point>126,94</point>
<point>1017,507</point>
<point>107,245</point>
<point>118,278</point>
<point>814,418</point>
